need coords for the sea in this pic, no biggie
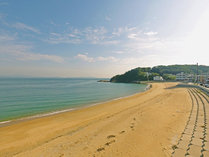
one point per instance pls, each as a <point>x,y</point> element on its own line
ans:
<point>26,97</point>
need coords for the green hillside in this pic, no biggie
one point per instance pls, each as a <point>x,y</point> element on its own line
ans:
<point>167,72</point>
<point>174,69</point>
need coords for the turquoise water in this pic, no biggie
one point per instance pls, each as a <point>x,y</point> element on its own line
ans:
<point>21,97</point>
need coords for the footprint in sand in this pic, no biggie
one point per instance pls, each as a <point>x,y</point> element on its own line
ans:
<point>132,125</point>
<point>108,143</point>
<point>100,149</point>
<point>76,142</point>
<point>122,132</point>
<point>132,128</point>
<point>110,136</point>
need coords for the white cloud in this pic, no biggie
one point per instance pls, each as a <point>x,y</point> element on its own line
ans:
<point>37,56</point>
<point>23,26</point>
<point>121,30</point>
<point>118,32</point>
<point>139,35</point>
<point>72,35</point>
<point>96,35</point>
<point>111,58</point>
<point>118,52</point>
<point>132,36</point>
<point>99,36</point>
<point>142,42</point>
<point>57,38</point>
<point>55,34</point>
<point>27,56</point>
<point>151,33</point>
<point>15,51</point>
<point>107,18</point>
<point>85,58</point>
<point>110,42</point>
<point>90,35</point>
<point>143,61</point>
<point>6,37</point>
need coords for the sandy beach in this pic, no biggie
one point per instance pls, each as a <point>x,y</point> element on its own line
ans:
<point>147,124</point>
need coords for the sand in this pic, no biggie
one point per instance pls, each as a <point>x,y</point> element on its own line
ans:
<point>147,124</point>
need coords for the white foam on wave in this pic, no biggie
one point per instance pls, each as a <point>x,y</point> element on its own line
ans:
<point>5,122</point>
<point>36,116</point>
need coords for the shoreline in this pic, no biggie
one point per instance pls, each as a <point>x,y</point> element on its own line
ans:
<point>36,116</point>
<point>124,127</point>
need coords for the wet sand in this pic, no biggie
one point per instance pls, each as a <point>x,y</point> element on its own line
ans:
<point>147,124</point>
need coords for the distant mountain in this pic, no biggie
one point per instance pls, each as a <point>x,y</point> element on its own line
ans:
<point>167,72</point>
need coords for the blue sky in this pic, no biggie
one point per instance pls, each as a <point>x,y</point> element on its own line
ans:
<point>91,38</point>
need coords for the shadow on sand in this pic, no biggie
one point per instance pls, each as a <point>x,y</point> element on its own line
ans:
<point>183,85</point>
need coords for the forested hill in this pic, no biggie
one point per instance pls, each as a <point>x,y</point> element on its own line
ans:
<point>174,69</point>
<point>167,72</point>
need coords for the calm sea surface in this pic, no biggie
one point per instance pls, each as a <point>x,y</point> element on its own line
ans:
<point>21,97</point>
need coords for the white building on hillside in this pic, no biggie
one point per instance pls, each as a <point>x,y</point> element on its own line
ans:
<point>185,77</point>
<point>180,76</point>
<point>158,78</point>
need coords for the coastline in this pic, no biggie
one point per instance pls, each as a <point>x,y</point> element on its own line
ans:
<point>35,116</point>
<point>142,121</point>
